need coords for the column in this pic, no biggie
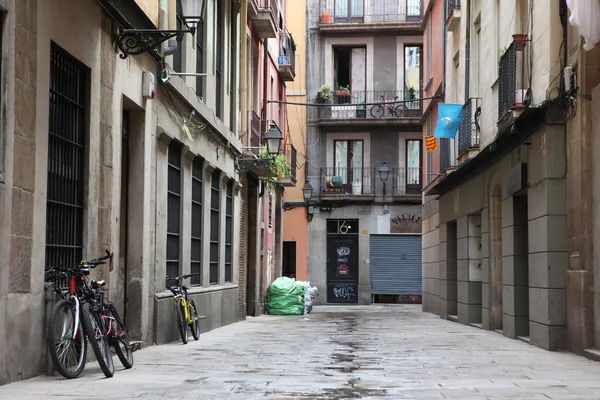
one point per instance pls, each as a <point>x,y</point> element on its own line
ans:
<point>469,269</point>
<point>485,269</point>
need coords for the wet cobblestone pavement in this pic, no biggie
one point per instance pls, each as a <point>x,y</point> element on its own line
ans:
<point>361,352</point>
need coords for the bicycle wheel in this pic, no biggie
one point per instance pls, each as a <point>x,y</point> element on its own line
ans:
<point>67,350</point>
<point>195,324</point>
<point>377,111</point>
<point>94,330</point>
<point>181,325</point>
<point>120,338</point>
<point>400,111</point>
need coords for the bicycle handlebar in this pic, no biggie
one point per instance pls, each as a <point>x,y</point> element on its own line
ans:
<point>97,261</point>
<point>176,278</point>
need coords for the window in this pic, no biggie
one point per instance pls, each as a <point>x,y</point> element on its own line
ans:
<point>229,232</point>
<point>280,105</point>
<point>412,71</point>
<point>270,211</point>
<point>66,154</point>
<point>272,115</point>
<point>477,56</point>
<point>219,60</point>
<point>232,71</point>
<point>413,162</point>
<point>200,58</point>
<point>178,55</point>
<point>429,37</point>
<point>214,226</point>
<point>173,209</point>
<point>196,236</point>
<point>289,259</point>
<point>348,163</point>
<point>349,65</point>
<point>349,10</point>
<point>2,92</point>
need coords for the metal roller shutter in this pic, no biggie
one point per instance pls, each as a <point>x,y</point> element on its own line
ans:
<point>395,264</point>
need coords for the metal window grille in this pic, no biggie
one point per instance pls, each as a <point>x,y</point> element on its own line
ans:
<point>66,155</point>
<point>214,227</point>
<point>196,237</point>
<point>2,132</point>
<point>173,209</point>
<point>219,59</point>
<point>270,212</point>
<point>232,72</point>
<point>200,59</point>
<point>445,154</point>
<point>229,232</point>
<point>178,55</point>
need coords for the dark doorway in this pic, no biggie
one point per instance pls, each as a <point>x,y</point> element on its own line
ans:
<point>342,261</point>
<point>251,240</point>
<point>124,212</point>
<point>289,259</point>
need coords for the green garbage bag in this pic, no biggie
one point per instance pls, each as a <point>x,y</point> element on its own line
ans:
<point>284,297</point>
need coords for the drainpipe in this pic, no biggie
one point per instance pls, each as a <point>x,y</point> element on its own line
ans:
<point>468,52</point>
<point>243,67</point>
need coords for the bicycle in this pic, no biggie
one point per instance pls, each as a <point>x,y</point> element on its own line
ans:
<point>68,349</point>
<point>185,309</point>
<point>378,110</point>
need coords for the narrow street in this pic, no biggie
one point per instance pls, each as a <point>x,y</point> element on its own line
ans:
<point>394,352</point>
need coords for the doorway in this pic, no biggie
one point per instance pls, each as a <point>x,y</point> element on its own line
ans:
<point>342,261</point>
<point>521,264</point>
<point>124,216</point>
<point>496,258</point>
<point>253,276</point>
<point>289,259</point>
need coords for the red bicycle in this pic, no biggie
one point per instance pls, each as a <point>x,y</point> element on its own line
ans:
<point>398,111</point>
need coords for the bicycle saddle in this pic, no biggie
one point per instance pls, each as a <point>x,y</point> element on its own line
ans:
<point>98,284</point>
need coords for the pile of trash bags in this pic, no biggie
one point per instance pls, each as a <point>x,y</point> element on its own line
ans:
<point>286,296</point>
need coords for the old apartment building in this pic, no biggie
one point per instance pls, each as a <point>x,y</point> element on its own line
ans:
<point>109,142</point>
<point>495,209</point>
<point>364,151</point>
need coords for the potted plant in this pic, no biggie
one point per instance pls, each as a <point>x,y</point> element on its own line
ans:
<point>411,93</point>
<point>519,39</point>
<point>324,96</point>
<point>325,19</point>
<point>342,91</point>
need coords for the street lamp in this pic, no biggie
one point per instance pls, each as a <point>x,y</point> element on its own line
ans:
<point>307,191</point>
<point>273,140</point>
<point>384,173</point>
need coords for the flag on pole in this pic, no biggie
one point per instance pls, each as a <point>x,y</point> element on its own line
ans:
<point>448,120</point>
<point>430,143</point>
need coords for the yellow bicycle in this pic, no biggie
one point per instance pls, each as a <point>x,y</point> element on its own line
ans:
<point>185,309</point>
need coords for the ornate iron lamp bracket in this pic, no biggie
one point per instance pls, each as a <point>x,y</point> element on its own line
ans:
<point>138,41</point>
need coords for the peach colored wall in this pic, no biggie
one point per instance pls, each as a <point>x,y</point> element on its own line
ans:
<point>295,229</point>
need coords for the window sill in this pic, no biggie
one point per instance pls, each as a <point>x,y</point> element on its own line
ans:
<point>198,290</point>
<point>428,85</point>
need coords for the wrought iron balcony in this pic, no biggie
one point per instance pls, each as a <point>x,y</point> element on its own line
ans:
<point>341,182</point>
<point>468,128</point>
<point>353,105</point>
<point>287,60</point>
<point>264,15</point>
<point>453,14</point>
<point>290,179</point>
<point>513,81</point>
<point>447,154</point>
<point>406,181</point>
<point>368,14</point>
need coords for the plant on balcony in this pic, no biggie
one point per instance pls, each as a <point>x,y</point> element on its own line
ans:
<point>411,93</point>
<point>325,18</point>
<point>324,96</point>
<point>342,90</point>
<point>502,51</point>
<point>278,166</point>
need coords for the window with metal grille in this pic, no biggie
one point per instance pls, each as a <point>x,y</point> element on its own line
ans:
<point>2,93</point>
<point>196,245</point>
<point>229,232</point>
<point>214,226</point>
<point>66,155</point>
<point>200,59</point>
<point>270,211</point>
<point>173,209</point>
<point>178,55</point>
<point>232,72</point>
<point>219,58</point>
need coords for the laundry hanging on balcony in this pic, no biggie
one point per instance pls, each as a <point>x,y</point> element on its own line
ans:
<point>448,120</point>
<point>585,15</point>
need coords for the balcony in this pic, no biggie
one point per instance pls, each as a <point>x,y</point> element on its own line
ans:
<point>370,15</point>
<point>363,107</point>
<point>264,16</point>
<point>468,130</point>
<point>514,93</point>
<point>291,156</point>
<point>287,60</point>
<point>452,14</point>
<point>342,183</point>
<point>406,183</point>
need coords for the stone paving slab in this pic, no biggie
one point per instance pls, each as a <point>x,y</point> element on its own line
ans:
<point>352,352</point>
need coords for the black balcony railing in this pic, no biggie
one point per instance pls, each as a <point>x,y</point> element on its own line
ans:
<point>451,5</point>
<point>255,133</point>
<point>447,160</point>
<point>291,156</point>
<point>513,80</point>
<point>355,104</point>
<point>369,11</point>
<point>468,132</point>
<point>406,180</point>
<point>273,5</point>
<point>348,181</point>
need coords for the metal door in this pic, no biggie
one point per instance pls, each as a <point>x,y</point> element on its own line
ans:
<point>395,264</point>
<point>342,268</point>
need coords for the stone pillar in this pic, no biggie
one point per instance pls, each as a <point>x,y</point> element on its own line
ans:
<point>448,253</point>
<point>515,268</point>
<point>430,262</point>
<point>547,239</point>
<point>469,269</point>
<point>485,269</point>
